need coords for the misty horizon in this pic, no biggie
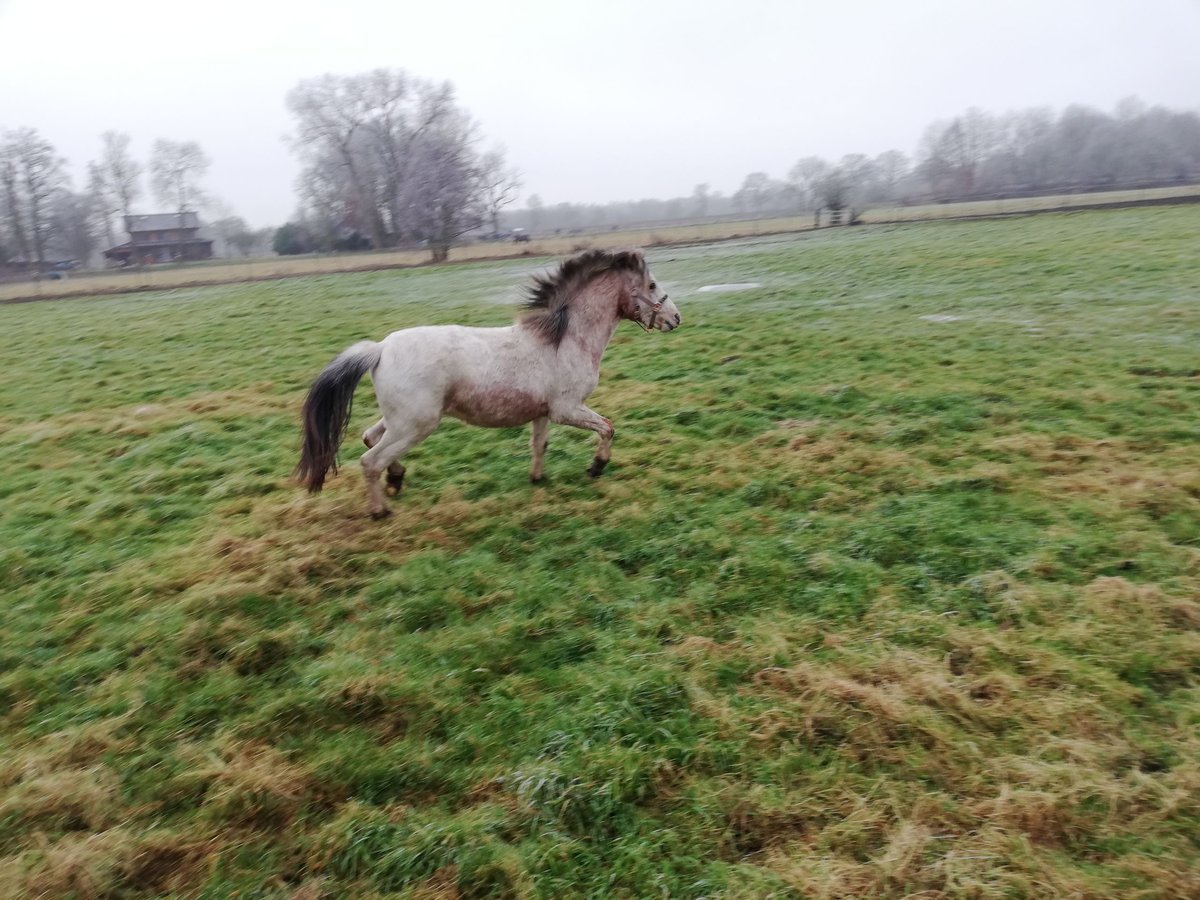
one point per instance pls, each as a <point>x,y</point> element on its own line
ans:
<point>677,97</point>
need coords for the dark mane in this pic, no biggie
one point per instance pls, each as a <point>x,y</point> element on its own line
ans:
<point>550,296</point>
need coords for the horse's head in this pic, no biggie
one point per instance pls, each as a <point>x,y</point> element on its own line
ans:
<point>648,304</point>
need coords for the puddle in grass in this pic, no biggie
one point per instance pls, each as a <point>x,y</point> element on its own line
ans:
<point>727,288</point>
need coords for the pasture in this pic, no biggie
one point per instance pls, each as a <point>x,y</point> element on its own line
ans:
<point>892,587</point>
<point>220,271</point>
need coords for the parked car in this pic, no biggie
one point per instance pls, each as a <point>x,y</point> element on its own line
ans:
<point>59,270</point>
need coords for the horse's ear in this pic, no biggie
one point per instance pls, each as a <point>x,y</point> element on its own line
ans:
<point>634,259</point>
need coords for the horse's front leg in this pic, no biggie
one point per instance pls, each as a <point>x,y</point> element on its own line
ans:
<point>537,443</point>
<point>582,417</point>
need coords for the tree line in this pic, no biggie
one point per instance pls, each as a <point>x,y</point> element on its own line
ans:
<point>44,219</point>
<point>391,160</point>
<point>970,156</point>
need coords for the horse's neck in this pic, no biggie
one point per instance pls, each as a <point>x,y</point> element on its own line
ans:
<point>592,326</point>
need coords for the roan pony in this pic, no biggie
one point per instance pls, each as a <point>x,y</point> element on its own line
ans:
<point>539,370</point>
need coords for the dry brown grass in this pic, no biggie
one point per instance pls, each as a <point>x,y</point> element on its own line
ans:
<point>442,885</point>
<point>142,419</point>
<point>251,783</point>
<point>111,863</point>
<point>63,799</point>
<point>1047,768</point>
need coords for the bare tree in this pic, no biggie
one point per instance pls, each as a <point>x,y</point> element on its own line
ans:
<point>114,180</point>
<point>700,200</point>
<point>890,168</point>
<point>329,198</point>
<point>833,192</point>
<point>31,174</point>
<point>176,168</point>
<point>954,151</point>
<point>441,199</point>
<point>805,175</point>
<point>74,225</point>
<point>12,201</point>
<point>500,185</point>
<point>236,235</point>
<point>401,111</point>
<point>535,206</point>
<point>367,125</point>
<point>753,192</point>
<point>861,176</point>
<point>394,156</point>
<point>330,112</point>
<point>1024,149</point>
<point>104,205</point>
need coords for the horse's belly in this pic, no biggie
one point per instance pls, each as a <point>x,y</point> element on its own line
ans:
<point>496,406</point>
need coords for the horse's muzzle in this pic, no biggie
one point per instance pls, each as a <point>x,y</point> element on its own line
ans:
<point>666,315</point>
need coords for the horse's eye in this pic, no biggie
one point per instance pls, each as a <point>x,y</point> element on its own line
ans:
<point>653,286</point>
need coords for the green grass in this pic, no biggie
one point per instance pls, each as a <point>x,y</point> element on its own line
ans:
<point>867,604</point>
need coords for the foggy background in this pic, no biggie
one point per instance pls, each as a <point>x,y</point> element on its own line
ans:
<point>616,101</point>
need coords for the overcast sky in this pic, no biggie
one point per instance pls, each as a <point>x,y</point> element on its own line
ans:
<point>607,100</point>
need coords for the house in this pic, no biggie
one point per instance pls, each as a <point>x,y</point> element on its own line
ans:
<point>161,238</point>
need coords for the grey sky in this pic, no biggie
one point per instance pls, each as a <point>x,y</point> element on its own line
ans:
<point>599,101</point>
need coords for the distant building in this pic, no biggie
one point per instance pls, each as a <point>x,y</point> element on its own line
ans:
<point>161,238</point>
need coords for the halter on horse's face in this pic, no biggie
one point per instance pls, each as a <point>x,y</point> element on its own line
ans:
<point>651,307</point>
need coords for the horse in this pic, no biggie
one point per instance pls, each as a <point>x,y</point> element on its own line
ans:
<point>536,371</point>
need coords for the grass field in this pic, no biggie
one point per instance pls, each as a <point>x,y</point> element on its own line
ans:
<point>891,589</point>
<point>228,271</point>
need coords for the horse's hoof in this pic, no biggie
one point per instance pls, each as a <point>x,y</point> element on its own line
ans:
<point>380,513</point>
<point>597,467</point>
<point>536,479</point>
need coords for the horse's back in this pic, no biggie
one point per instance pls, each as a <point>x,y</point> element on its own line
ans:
<point>486,376</point>
<point>449,347</point>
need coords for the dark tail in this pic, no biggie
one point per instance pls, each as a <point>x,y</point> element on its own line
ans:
<point>327,411</point>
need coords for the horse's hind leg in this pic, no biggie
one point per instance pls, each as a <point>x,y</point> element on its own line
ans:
<point>389,447</point>
<point>395,472</point>
<point>372,435</point>
<point>395,479</point>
